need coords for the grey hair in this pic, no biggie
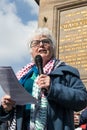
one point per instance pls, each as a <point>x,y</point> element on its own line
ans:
<point>42,31</point>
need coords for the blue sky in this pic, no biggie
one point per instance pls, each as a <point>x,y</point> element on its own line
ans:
<point>18,18</point>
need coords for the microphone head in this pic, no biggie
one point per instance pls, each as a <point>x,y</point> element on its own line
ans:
<point>38,61</point>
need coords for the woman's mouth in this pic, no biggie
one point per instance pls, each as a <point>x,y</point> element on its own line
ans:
<point>42,51</point>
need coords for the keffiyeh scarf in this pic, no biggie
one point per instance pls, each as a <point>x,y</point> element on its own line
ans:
<point>38,112</point>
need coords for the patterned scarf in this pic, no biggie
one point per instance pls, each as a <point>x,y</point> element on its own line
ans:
<point>38,112</point>
<point>12,124</point>
<point>48,67</point>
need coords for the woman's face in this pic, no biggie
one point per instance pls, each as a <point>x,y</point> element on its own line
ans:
<point>41,45</point>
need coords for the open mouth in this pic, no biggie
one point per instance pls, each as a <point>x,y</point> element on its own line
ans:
<point>42,51</point>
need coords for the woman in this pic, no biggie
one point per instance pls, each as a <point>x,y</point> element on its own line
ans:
<point>65,91</point>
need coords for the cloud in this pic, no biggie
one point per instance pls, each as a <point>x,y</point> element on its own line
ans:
<point>34,6</point>
<point>13,36</point>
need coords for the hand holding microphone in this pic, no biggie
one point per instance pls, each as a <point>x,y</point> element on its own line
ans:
<point>43,80</point>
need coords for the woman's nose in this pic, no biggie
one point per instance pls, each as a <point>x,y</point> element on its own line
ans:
<point>41,43</point>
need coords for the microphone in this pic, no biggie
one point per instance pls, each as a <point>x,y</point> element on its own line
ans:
<point>39,64</point>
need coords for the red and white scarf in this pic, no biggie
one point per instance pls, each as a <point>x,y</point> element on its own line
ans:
<point>48,67</point>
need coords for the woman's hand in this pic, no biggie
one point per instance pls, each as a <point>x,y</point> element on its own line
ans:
<point>7,103</point>
<point>43,81</point>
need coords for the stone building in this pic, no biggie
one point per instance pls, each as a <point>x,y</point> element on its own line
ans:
<point>68,21</point>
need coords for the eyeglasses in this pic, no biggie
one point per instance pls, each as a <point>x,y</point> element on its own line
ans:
<point>36,43</point>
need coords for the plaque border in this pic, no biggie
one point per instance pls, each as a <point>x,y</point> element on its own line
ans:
<point>57,9</point>
<point>56,18</point>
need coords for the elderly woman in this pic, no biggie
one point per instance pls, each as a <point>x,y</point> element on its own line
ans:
<point>65,92</point>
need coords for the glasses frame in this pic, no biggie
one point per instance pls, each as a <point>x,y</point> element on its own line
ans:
<point>45,42</point>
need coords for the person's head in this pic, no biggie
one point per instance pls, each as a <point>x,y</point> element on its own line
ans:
<point>42,43</point>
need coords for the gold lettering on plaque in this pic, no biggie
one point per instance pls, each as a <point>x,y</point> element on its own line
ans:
<point>73,38</point>
<point>74,24</point>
